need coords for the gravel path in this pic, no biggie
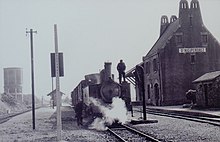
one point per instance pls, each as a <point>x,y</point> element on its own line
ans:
<point>177,130</point>
<point>19,129</point>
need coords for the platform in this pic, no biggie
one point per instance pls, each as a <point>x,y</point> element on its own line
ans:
<point>211,112</point>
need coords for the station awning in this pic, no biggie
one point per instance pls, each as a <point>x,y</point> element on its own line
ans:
<point>129,75</point>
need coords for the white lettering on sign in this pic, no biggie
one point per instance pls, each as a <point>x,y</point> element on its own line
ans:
<point>191,50</point>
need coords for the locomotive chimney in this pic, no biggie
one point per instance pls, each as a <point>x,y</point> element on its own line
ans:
<point>108,73</point>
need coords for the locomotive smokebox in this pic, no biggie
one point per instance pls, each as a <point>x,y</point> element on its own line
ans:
<point>108,73</point>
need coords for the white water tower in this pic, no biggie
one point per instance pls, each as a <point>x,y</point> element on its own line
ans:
<point>13,80</point>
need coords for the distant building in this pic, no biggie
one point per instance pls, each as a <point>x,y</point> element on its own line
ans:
<point>13,80</point>
<point>53,99</point>
<point>184,51</point>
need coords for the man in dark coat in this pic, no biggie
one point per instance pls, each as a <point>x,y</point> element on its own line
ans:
<point>121,70</point>
<point>79,111</point>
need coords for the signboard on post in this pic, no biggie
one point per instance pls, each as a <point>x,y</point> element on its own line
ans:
<point>53,67</point>
<point>139,75</point>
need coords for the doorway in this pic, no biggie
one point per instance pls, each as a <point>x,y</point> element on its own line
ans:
<point>156,93</point>
<point>206,94</point>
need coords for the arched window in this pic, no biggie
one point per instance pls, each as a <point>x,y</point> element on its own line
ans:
<point>183,5</point>
<point>195,5</point>
<point>173,18</point>
<point>155,67</point>
<point>147,67</point>
<point>164,19</point>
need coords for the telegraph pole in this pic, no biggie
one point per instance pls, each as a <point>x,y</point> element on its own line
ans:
<point>32,74</point>
<point>58,94</point>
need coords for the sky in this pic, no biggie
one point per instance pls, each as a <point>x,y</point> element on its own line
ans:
<point>90,32</point>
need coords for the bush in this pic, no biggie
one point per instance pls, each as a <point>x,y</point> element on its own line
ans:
<point>67,100</point>
<point>8,98</point>
<point>191,95</point>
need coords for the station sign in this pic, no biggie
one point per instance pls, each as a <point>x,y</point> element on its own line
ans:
<point>192,50</point>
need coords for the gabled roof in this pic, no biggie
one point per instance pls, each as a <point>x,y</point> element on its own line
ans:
<point>166,36</point>
<point>207,77</point>
<point>54,92</point>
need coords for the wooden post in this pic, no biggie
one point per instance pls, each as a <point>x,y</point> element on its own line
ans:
<point>58,94</point>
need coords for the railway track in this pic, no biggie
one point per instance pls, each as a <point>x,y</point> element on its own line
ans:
<point>201,119</point>
<point>126,133</point>
<point>9,116</point>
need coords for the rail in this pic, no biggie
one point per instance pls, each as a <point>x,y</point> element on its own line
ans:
<point>129,134</point>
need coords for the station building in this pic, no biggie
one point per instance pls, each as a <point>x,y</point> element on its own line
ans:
<point>184,51</point>
<point>208,90</point>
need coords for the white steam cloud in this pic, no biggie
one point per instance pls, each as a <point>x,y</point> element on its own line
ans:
<point>115,111</point>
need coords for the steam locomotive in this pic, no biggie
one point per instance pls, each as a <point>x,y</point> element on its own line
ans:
<point>101,86</point>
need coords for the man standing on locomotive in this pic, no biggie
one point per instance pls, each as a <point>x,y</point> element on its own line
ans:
<point>121,70</point>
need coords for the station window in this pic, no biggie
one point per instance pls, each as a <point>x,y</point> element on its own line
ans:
<point>179,38</point>
<point>155,67</point>
<point>193,58</point>
<point>147,67</point>
<point>190,20</point>
<point>204,38</point>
